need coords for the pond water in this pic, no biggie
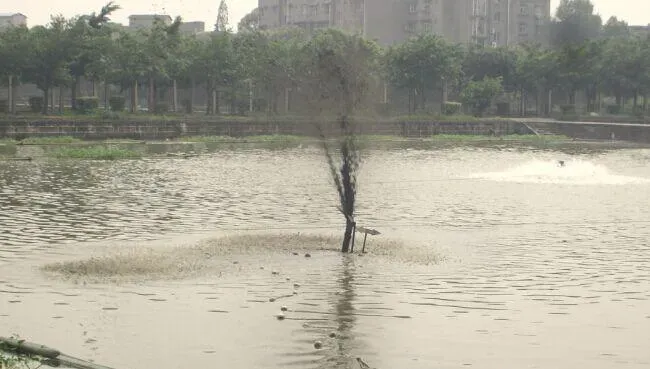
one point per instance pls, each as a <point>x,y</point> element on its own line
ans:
<point>545,266</point>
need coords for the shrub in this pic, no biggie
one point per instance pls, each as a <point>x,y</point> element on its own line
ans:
<point>161,108</point>
<point>613,109</point>
<point>36,104</point>
<point>503,109</point>
<point>568,109</point>
<point>451,108</point>
<point>117,103</point>
<point>479,95</point>
<point>109,115</point>
<point>4,106</point>
<point>87,104</point>
<point>187,106</point>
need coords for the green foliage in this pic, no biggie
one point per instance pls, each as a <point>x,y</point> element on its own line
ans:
<point>479,95</point>
<point>87,104</point>
<point>585,57</point>
<point>420,64</point>
<point>36,104</point>
<point>451,108</point>
<point>575,23</point>
<point>117,103</point>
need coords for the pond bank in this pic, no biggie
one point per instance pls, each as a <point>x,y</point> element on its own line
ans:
<point>173,127</point>
<point>187,147</point>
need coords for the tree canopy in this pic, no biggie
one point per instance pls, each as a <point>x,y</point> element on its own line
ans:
<point>268,69</point>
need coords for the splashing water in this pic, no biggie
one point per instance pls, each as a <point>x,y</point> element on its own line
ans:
<point>576,172</point>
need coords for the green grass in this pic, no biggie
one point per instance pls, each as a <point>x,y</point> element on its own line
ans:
<point>96,153</point>
<point>260,138</point>
<point>528,138</point>
<point>50,140</point>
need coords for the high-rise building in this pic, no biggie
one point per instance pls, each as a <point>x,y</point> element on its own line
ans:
<point>487,22</point>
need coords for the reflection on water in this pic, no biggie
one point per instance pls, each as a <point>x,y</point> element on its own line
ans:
<point>548,273</point>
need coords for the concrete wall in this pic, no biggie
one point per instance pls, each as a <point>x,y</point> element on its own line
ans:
<point>153,130</point>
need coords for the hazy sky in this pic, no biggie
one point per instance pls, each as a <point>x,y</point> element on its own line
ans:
<point>634,11</point>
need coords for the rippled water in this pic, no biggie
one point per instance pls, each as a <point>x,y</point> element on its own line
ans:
<point>546,267</point>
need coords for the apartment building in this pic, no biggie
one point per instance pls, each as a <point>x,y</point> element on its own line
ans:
<point>12,19</point>
<point>486,22</point>
<point>192,27</point>
<point>138,21</point>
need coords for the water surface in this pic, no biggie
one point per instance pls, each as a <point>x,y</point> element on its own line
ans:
<point>547,267</point>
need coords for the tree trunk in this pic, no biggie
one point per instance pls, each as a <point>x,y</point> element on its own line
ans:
<point>73,93</point>
<point>61,99</point>
<point>250,95</point>
<point>14,93</point>
<point>347,236</point>
<point>46,100</point>
<point>645,103</point>
<point>106,95</point>
<point>151,101</point>
<point>190,108</point>
<point>208,98</point>
<point>636,101</point>
<point>134,97</point>
<point>233,101</point>
<point>174,97</point>
<point>53,92</point>
<point>215,102</point>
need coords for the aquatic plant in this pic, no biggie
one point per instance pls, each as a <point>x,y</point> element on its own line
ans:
<point>213,256</point>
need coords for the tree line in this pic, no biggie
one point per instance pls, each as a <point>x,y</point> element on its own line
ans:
<point>274,71</point>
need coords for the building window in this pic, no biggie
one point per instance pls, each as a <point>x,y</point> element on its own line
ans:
<point>497,17</point>
<point>427,27</point>
<point>523,10</point>
<point>410,27</point>
<point>413,8</point>
<point>523,28</point>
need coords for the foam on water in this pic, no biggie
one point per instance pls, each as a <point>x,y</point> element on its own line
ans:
<point>578,172</point>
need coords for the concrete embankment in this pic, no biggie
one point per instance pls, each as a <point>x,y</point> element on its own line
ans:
<point>89,129</point>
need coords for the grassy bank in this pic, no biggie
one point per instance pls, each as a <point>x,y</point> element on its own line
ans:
<point>95,153</point>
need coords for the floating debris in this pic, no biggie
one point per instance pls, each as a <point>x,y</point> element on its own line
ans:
<point>318,345</point>
<point>307,255</point>
<point>280,316</point>
<point>333,335</point>
<point>284,308</point>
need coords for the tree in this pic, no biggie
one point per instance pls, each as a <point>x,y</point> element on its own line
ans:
<point>91,37</point>
<point>160,40</point>
<point>337,69</point>
<point>14,55</point>
<point>420,64</point>
<point>615,28</point>
<point>49,55</point>
<point>250,22</point>
<point>222,18</point>
<point>536,71</point>
<point>127,63</point>
<point>575,23</point>
<point>479,95</point>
